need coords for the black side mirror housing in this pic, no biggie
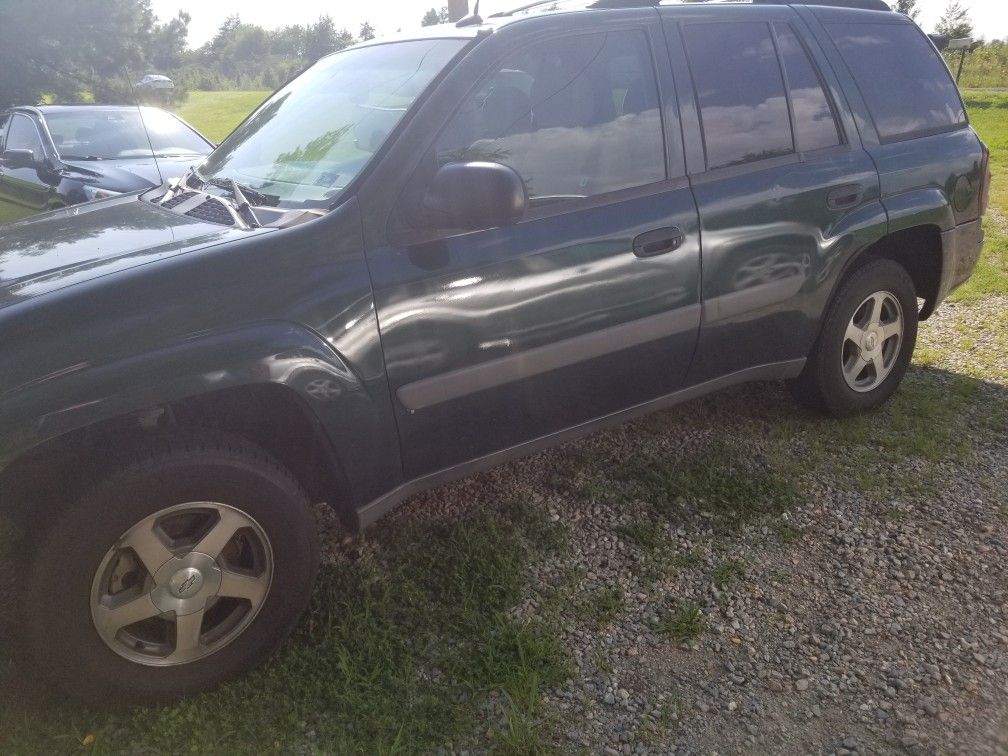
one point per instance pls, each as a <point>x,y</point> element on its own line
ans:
<point>474,196</point>
<point>19,158</point>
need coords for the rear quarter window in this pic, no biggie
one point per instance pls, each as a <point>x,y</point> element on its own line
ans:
<point>904,82</point>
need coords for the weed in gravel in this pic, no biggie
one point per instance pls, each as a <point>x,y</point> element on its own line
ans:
<point>643,532</point>
<point>786,531</point>
<point>686,559</point>
<point>601,607</point>
<point>728,571</point>
<point>683,624</point>
<point>667,713</point>
<point>729,486</point>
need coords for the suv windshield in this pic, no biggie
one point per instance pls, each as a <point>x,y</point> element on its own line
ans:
<point>309,140</point>
<point>119,134</point>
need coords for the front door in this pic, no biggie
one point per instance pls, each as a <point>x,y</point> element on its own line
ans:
<point>23,191</point>
<point>500,336</point>
<point>784,189</point>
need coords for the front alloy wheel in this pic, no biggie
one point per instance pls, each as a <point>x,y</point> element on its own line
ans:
<point>181,584</point>
<point>186,565</point>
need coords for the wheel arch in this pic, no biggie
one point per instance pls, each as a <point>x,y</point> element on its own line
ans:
<point>918,249</point>
<point>278,385</point>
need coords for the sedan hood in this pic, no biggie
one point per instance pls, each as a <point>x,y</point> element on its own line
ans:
<point>132,175</point>
<point>75,244</point>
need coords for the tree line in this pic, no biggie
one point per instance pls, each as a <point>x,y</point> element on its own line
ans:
<point>82,50</point>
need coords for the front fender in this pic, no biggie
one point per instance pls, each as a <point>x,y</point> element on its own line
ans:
<point>268,353</point>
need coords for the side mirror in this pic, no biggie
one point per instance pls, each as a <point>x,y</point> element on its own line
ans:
<point>475,196</point>
<point>19,158</point>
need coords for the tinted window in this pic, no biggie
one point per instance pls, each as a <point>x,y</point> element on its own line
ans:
<point>740,91</point>
<point>905,84</point>
<point>22,135</point>
<point>575,118</point>
<point>814,123</point>
<point>4,117</point>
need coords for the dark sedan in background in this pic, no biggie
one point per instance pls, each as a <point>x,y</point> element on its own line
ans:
<point>57,155</point>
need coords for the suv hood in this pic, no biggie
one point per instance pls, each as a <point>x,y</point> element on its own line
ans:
<point>83,242</point>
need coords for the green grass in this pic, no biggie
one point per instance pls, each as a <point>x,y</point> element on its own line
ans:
<point>722,483</point>
<point>728,571</point>
<point>683,624</point>
<point>601,607</point>
<point>989,116</point>
<point>215,114</point>
<point>398,654</point>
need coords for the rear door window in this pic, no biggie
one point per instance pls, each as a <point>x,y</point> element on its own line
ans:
<point>4,117</point>
<point>815,122</point>
<point>905,84</point>
<point>740,91</point>
<point>576,117</point>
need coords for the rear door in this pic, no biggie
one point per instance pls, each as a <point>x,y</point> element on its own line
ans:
<point>784,189</point>
<point>914,125</point>
<point>497,337</point>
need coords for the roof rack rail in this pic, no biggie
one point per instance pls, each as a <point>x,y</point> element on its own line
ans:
<point>876,5</point>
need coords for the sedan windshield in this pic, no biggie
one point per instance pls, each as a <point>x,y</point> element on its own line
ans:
<point>310,139</point>
<point>119,134</point>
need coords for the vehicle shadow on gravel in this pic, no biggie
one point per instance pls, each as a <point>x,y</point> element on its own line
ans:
<point>450,623</point>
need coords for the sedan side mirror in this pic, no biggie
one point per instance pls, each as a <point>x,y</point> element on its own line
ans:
<point>475,196</point>
<point>19,158</point>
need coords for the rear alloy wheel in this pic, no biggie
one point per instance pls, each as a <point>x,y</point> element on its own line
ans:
<point>872,342</point>
<point>867,340</point>
<point>185,566</point>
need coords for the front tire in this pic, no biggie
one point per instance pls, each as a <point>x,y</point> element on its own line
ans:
<point>866,343</point>
<point>186,565</point>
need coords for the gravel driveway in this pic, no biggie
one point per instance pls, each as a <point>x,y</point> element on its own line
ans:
<point>739,576</point>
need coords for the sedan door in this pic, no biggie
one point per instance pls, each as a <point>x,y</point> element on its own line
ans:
<point>587,305</point>
<point>24,190</point>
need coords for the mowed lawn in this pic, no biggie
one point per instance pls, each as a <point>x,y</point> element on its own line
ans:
<point>411,643</point>
<point>215,114</point>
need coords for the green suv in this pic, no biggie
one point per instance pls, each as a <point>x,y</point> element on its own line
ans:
<point>429,255</point>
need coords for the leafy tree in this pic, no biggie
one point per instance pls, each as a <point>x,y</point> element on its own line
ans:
<point>367,32</point>
<point>433,17</point>
<point>955,21</point>
<point>71,49</point>
<point>907,8</point>
<point>322,38</point>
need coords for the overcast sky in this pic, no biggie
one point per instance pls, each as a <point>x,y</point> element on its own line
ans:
<point>990,17</point>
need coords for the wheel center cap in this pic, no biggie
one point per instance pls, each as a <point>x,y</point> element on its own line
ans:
<point>186,582</point>
<point>871,341</point>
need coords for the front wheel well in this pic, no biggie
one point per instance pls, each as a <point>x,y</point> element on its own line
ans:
<point>55,473</point>
<point>919,251</point>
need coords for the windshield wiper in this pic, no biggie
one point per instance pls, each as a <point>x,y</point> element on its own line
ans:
<point>82,157</point>
<point>256,197</point>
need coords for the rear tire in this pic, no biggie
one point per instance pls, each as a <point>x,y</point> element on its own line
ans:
<point>186,565</point>
<point>866,344</point>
